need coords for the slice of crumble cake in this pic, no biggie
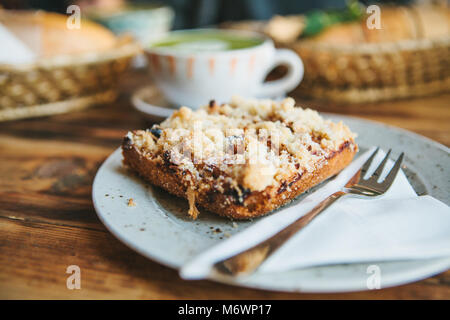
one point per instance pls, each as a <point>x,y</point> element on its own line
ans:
<point>242,159</point>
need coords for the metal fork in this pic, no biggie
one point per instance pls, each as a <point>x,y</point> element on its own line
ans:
<point>248,261</point>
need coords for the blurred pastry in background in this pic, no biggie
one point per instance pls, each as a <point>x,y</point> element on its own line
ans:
<point>285,29</point>
<point>349,25</point>
<point>317,22</point>
<point>46,34</point>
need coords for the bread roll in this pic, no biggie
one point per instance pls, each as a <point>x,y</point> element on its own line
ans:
<point>47,34</point>
<point>433,21</point>
<point>396,24</point>
<point>345,33</point>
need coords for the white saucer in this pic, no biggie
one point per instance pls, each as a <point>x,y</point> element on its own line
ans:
<point>150,101</point>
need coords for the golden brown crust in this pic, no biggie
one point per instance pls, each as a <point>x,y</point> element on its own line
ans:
<point>396,24</point>
<point>255,203</point>
<point>432,21</point>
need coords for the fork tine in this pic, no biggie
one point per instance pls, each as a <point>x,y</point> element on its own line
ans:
<point>367,164</point>
<point>380,168</point>
<point>393,173</point>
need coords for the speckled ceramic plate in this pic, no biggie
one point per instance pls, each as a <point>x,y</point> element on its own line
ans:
<point>158,227</point>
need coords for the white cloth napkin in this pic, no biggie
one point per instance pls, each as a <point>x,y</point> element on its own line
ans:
<point>398,225</point>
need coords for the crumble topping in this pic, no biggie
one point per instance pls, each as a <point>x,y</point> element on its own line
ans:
<point>131,203</point>
<point>193,211</point>
<point>246,145</point>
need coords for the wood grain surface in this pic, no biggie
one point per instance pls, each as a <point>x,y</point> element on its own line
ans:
<point>47,220</point>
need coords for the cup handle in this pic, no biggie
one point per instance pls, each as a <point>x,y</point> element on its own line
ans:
<point>293,77</point>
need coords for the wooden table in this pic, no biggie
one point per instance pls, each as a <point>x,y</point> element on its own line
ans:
<point>47,220</point>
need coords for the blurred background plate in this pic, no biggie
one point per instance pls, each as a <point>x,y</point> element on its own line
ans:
<point>151,103</point>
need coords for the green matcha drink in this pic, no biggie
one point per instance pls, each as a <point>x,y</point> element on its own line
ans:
<point>191,67</point>
<point>194,41</point>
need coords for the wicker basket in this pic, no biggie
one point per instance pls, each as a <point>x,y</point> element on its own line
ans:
<point>63,82</point>
<point>375,71</point>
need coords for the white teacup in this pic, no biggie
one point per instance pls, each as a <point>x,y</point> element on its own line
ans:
<point>193,72</point>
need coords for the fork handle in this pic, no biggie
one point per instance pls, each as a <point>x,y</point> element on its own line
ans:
<point>248,261</point>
